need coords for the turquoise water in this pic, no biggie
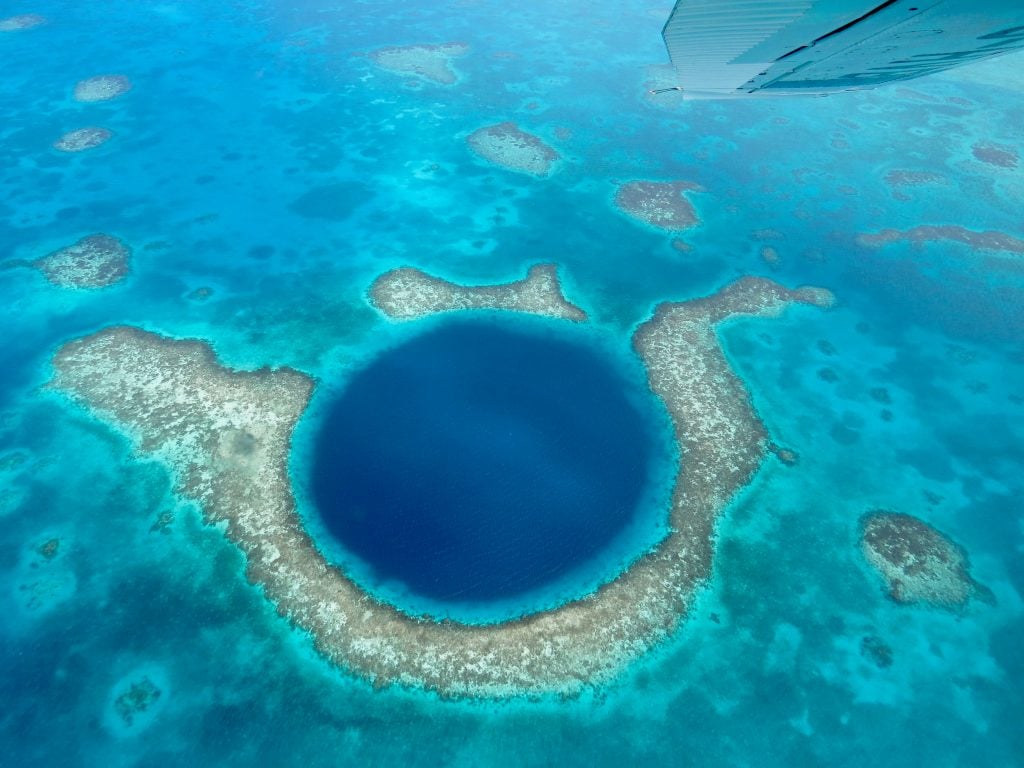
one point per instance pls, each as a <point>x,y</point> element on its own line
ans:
<point>261,154</point>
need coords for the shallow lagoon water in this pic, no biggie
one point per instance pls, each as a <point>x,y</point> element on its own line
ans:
<point>239,111</point>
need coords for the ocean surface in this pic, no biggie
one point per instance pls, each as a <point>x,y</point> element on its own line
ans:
<point>263,157</point>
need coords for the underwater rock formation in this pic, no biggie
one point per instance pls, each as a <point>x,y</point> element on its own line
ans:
<point>429,62</point>
<point>507,145</point>
<point>918,563</point>
<point>226,436</point>
<point>95,261</point>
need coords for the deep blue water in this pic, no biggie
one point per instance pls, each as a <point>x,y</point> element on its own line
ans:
<point>476,462</point>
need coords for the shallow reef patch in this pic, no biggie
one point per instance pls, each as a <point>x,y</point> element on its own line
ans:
<point>408,293</point>
<point>659,204</point>
<point>45,577</point>
<point>990,240</point>
<point>429,62</point>
<point>22,21</point>
<point>999,155</point>
<point>918,563</point>
<point>508,145</point>
<point>83,139</point>
<point>101,88</point>
<point>95,261</point>
<point>136,700</point>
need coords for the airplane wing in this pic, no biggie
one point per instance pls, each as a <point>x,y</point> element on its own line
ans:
<point>723,48</point>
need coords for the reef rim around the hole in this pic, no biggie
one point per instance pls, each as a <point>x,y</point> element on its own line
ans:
<point>180,405</point>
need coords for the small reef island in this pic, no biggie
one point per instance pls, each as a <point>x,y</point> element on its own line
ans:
<point>508,145</point>
<point>226,435</point>
<point>918,563</point>
<point>432,63</point>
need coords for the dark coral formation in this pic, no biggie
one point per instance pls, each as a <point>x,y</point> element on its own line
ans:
<point>770,256</point>
<point>202,293</point>
<point>163,522</point>
<point>429,62</point>
<point>139,697</point>
<point>508,145</point>
<point>997,155</point>
<point>660,204</point>
<point>826,347</point>
<point>95,261</point>
<point>880,395</point>
<point>226,435</point>
<point>874,648</point>
<point>787,456</point>
<point>48,549</point>
<point>905,178</point>
<point>13,460</point>
<point>991,240</point>
<point>918,563</point>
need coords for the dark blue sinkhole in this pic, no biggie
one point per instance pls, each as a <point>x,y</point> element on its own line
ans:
<point>479,463</point>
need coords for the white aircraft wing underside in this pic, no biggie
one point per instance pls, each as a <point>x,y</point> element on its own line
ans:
<point>734,47</point>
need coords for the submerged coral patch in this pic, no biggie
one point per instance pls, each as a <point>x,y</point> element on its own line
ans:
<point>660,204</point>
<point>139,697</point>
<point>23,21</point>
<point>905,178</point>
<point>918,563</point>
<point>82,139</point>
<point>509,146</point>
<point>101,88</point>
<point>226,435</point>
<point>95,261</point>
<point>45,578</point>
<point>332,202</point>
<point>997,155</point>
<point>991,240</point>
<point>429,62</point>
<point>136,700</point>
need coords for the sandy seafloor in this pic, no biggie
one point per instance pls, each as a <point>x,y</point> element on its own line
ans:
<point>260,153</point>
